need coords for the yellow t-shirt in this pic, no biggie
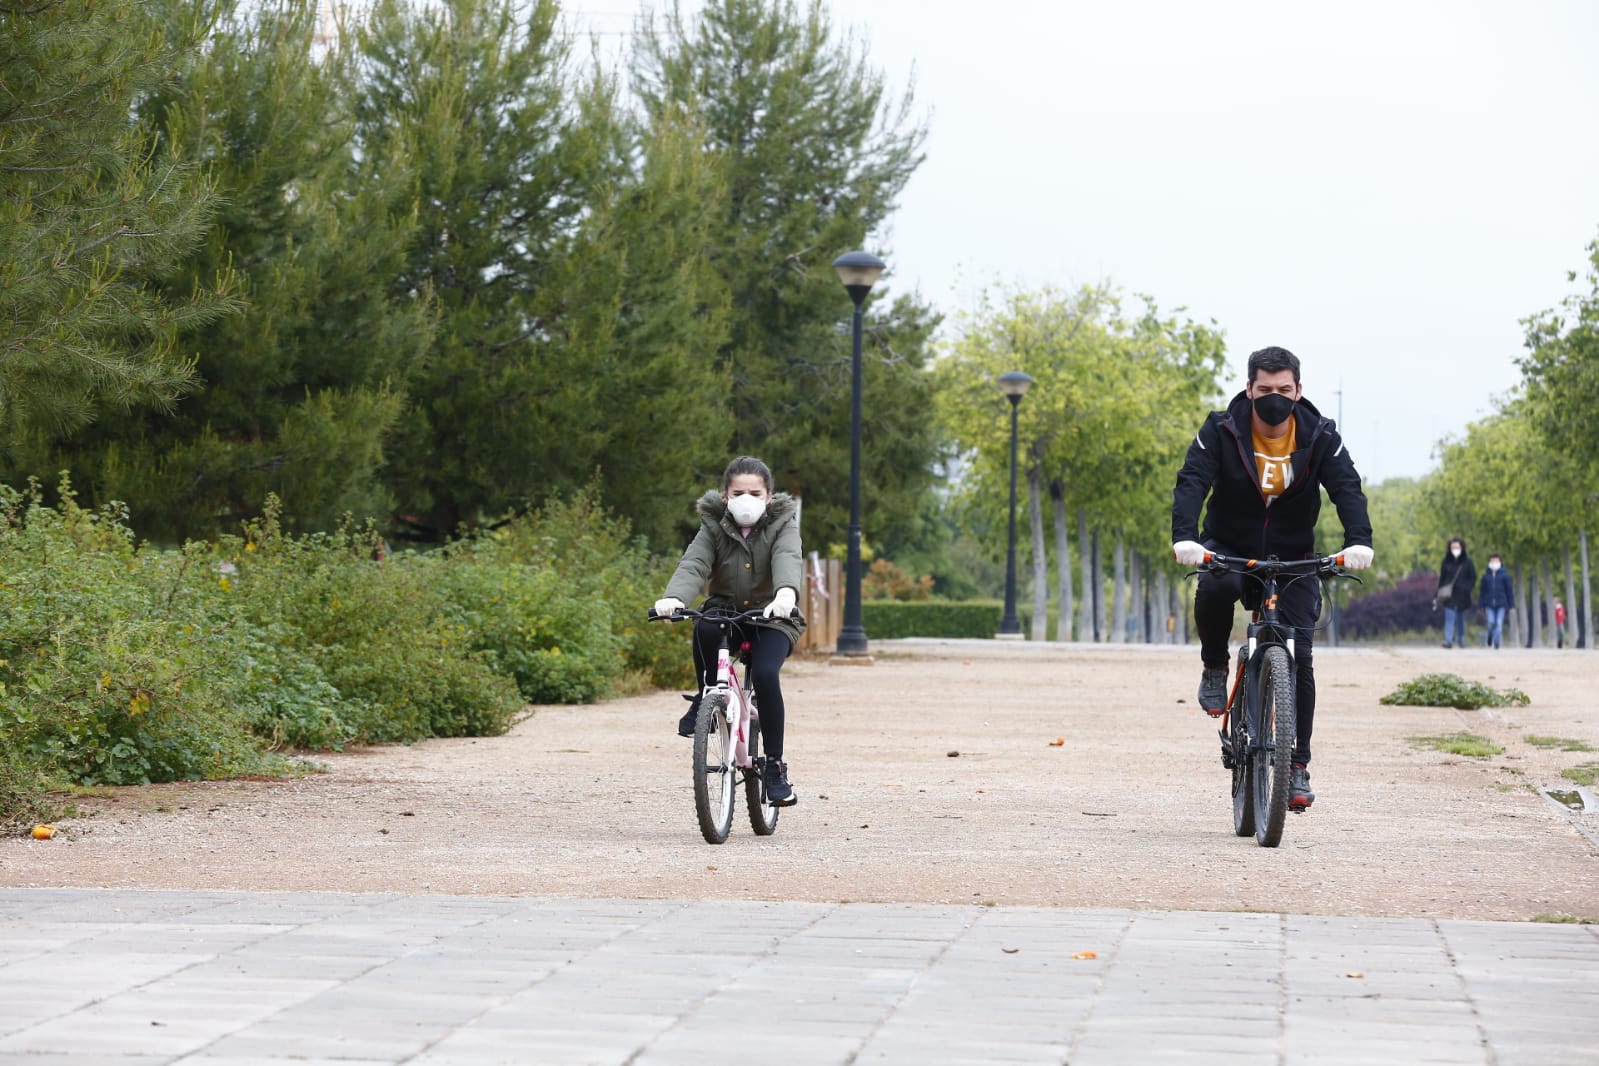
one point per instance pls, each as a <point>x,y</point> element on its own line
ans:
<point>1272,462</point>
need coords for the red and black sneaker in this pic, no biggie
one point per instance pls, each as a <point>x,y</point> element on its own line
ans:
<point>1300,797</point>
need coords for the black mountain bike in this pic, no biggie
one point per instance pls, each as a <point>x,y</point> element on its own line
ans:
<point>1260,722</point>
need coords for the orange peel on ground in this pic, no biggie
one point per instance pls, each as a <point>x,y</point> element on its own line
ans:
<point>44,832</point>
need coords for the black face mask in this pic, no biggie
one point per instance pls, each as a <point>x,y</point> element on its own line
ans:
<point>1274,408</point>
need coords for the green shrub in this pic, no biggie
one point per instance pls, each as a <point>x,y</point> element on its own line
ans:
<point>889,619</point>
<point>1452,690</point>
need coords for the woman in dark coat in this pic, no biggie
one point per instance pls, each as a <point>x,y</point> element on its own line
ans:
<point>1457,577</point>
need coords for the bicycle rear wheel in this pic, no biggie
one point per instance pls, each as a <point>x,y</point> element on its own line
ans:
<point>713,769</point>
<point>763,816</point>
<point>1238,747</point>
<point>1274,745</point>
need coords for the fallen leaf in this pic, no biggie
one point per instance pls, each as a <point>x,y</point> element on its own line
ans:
<point>1086,955</point>
<point>711,868</point>
<point>1057,742</point>
<point>1355,973</point>
<point>981,791</point>
<point>953,754</point>
<point>1010,951</point>
<point>868,825</point>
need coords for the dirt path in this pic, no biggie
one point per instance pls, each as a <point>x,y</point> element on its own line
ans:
<point>1131,811</point>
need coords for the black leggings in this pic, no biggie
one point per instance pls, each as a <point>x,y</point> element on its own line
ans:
<point>1299,605</point>
<point>769,647</point>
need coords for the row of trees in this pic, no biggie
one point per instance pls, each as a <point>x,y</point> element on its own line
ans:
<point>438,267</point>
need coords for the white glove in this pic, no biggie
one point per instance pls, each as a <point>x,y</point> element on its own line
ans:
<point>782,604</point>
<point>666,608</point>
<point>1357,557</point>
<point>1189,552</point>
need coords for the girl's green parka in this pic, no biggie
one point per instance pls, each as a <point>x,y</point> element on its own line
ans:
<point>743,573</point>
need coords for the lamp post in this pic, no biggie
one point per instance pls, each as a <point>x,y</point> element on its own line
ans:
<point>858,271</point>
<point>1014,385</point>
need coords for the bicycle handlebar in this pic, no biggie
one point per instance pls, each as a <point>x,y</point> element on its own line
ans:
<point>1323,565</point>
<point>714,614</point>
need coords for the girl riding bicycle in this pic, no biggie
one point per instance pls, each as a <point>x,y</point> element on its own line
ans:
<point>746,555</point>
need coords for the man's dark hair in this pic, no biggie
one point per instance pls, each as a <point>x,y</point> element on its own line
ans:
<point>746,464</point>
<point>1271,360</point>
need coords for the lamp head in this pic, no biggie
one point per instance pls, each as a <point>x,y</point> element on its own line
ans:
<point>858,271</point>
<point>1014,384</point>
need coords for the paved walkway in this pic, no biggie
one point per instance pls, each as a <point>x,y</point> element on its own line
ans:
<point>104,977</point>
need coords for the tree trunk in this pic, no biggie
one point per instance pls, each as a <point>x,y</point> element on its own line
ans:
<point>1571,603</point>
<point>1179,611</point>
<point>1521,616</point>
<point>1063,564</point>
<point>1135,597</point>
<point>1535,624</point>
<point>1163,624</point>
<point>1085,620</point>
<point>1098,586</point>
<point>1118,595</point>
<point>1332,613</point>
<point>1587,591</point>
<point>1035,515</point>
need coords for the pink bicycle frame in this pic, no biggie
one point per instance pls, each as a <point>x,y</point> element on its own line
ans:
<point>740,712</point>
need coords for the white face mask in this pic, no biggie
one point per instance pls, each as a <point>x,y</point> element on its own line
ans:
<point>746,510</point>
<point>1494,565</point>
<point>1455,552</point>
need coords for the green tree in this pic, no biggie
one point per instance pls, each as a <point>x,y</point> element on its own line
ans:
<point>813,152</point>
<point>1561,371</point>
<point>301,389</point>
<point>93,213</point>
<point>473,93</point>
<point>1115,399</point>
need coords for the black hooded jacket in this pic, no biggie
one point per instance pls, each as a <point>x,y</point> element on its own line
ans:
<point>1221,464</point>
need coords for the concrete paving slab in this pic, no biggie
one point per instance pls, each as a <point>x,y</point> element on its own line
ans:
<point>111,978</point>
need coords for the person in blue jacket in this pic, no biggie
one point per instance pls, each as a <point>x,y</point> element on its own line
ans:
<point>1497,595</point>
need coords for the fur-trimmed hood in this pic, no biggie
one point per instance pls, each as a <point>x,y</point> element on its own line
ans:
<point>712,508</point>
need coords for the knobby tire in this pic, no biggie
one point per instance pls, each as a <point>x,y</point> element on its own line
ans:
<point>1277,722</point>
<point>763,816</point>
<point>1238,741</point>
<point>714,792</point>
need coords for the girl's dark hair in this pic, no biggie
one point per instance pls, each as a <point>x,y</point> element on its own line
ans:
<point>1457,540</point>
<point>747,464</point>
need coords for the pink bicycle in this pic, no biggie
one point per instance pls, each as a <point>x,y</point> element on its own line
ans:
<point>727,734</point>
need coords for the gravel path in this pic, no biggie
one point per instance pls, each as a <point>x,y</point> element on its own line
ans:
<point>1131,811</point>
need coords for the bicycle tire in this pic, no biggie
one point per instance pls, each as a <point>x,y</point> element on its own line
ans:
<point>1274,747</point>
<point>1238,742</point>
<point>763,816</point>
<point>714,792</point>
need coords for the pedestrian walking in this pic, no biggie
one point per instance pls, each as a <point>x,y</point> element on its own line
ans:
<point>1457,576</point>
<point>1497,596</point>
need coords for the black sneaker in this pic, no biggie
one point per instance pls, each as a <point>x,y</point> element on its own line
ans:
<point>1299,794</point>
<point>1213,690</point>
<point>774,776</point>
<point>685,724</point>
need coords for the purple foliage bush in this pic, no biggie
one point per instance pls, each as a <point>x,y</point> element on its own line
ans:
<point>1406,607</point>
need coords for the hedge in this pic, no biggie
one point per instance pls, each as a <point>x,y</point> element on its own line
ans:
<point>890,619</point>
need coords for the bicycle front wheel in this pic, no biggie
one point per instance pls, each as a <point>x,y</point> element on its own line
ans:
<point>1273,747</point>
<point>763,816</point>
<point>713,769</point>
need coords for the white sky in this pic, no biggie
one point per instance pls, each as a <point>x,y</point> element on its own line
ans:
<point>1386,188</point>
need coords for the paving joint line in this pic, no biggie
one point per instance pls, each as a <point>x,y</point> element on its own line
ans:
<point>893,1008</point>
<point>1099,988</point>
<point>1471,1001</point>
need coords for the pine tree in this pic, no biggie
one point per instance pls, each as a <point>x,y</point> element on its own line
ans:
<point>299,391</point>
<point>93,213</point>
<point>815,154</point>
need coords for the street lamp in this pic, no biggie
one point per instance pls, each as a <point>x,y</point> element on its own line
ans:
<point>1014,385</point>
<point>858,271</point>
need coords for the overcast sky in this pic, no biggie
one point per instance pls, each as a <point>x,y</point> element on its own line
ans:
<point>1386,188</point>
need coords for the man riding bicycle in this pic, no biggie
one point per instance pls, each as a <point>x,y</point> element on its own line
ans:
<point>1263,462</point>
